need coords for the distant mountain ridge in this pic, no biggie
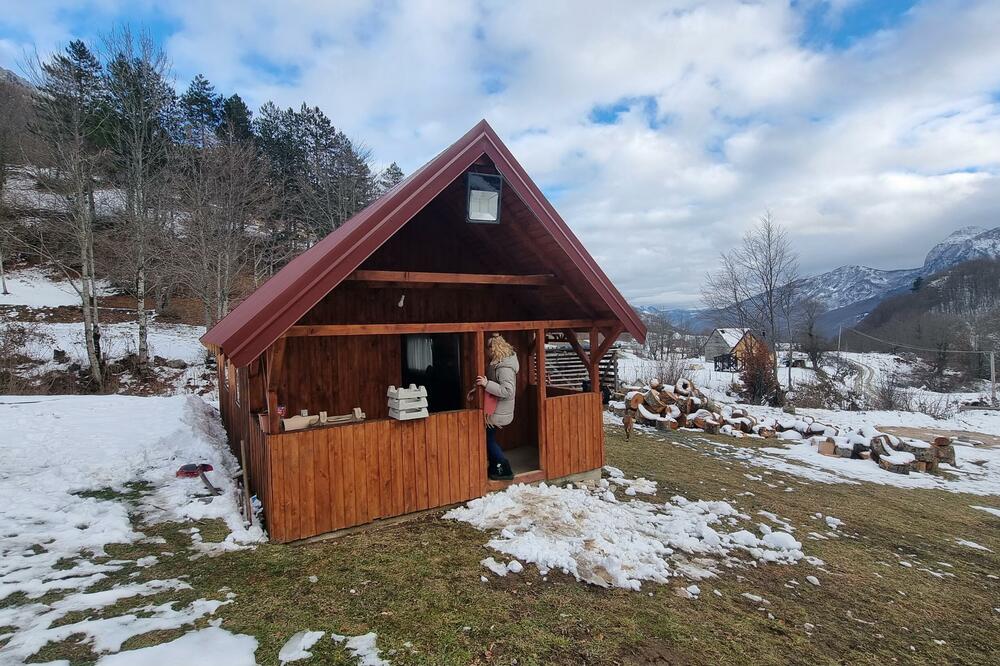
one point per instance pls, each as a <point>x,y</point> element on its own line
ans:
<point>7,76</point>
<point>849,293</point>
<point>847,285</point>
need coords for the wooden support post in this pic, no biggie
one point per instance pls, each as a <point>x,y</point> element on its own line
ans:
<point>275,369</point>
<point>480,358</point>
<point>540,362</point>
<point>595,362</point>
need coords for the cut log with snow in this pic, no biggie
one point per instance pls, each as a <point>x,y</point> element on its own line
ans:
<point>898,462</point>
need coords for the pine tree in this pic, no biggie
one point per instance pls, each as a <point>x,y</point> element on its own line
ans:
<point>389,178</point>
<point>201,109</point>
<point>917,283</point>
<point>236,121</point>
<point>70,119</point>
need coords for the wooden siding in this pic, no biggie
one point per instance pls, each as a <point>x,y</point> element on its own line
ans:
<point>337,374</point>
<point>574,434</point>
<point>326,479</point>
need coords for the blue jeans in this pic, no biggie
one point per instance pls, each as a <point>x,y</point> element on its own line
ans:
<point>493,451</point>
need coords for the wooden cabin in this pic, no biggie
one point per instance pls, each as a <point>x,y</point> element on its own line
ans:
<point>746,344</point>
<point>406,292</point>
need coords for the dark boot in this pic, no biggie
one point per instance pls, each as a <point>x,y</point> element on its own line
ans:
<point>506,473</point>
<point>500,472</point>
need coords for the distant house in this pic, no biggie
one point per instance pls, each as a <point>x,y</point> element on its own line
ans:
<point>728,347</point>
<point>722,341</point>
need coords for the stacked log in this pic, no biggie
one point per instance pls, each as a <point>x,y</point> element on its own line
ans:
<point>684,406</point>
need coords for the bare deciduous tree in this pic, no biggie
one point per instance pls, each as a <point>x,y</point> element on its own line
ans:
<point>755,286</point>
<point>141,103</point>
<point>223,192</point>
<point>69,121</point>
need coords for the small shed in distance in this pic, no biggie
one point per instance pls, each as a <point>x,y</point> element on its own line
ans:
<point>728,348</point>
<point>722,341</point>
<point>406,292</point>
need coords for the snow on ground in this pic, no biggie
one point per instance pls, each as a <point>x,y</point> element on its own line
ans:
<point>53,448</point>
<point>363,648</point>
<point>977,420</point>
<point>23,191</point>
<point>297,647</point>
<point>33,288</point>
<point>972,544</point>
<point>211,646</point>
<point>118,340</point>
<point>586,532</point>
<point>987,509</point>
<point>977,471</point>
<point>871,368</point>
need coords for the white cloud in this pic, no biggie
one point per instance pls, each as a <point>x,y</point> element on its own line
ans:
<point>870,154</point>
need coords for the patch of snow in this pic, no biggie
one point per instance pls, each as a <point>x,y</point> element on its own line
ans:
<point>33,288</point>
<point>494,566</point>
<point>987,509</point>
<point>812,580</point>
<point>297,647</point>
<point>52,449</point>
<point>206,647</point>
<point>972,544</point>
<point>620,544</point>
<point>363,648</point>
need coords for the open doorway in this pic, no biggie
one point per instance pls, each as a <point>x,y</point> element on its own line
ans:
<point>519,440</point>
<point>434,361</point>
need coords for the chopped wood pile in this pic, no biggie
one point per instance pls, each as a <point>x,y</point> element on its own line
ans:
<point>682,405</point>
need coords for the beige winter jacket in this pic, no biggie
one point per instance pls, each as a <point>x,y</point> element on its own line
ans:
<point>503,384</point>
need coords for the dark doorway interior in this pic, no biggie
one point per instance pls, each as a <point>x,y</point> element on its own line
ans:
<point>434,361</point>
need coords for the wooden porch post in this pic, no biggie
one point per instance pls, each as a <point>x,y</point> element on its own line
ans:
<point>540,367</point>
<point>595,361</point>
<point>275,368</point>
<point>479,354</point>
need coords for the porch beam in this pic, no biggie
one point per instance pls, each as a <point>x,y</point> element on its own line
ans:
<point>328,330</point>
<point>610,336</point>
<point>414,277</point>
<point>577,347</point>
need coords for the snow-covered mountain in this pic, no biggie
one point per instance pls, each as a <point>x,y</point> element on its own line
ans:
<point>965,244</point>
<point>849,293</point>
<point>849,285</point>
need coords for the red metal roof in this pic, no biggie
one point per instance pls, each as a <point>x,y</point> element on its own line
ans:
<point>280,302</point>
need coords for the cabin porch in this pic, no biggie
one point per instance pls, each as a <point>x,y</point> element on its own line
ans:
<point>330,477</point>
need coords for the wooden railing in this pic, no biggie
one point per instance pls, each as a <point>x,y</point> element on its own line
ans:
<point>574,434</point>
<point>330,478</point>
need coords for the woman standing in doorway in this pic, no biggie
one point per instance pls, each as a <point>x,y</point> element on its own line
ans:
<point>501,382</point>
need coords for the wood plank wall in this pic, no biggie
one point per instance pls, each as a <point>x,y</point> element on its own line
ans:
<point>337,374</point>
<point>574,434</point>
<point>326,479</point>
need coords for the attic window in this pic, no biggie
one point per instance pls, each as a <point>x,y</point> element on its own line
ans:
<point>483,205</point>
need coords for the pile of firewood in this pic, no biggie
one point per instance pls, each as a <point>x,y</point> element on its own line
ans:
<point>682,405</point>
<point>895,454</point>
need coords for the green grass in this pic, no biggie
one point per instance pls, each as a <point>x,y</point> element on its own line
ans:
<point>418,582</point>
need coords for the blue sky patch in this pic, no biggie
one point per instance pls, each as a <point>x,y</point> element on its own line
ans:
<point>825,28</point>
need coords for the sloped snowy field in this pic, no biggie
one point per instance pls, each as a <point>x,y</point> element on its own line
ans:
<point>52,449</point>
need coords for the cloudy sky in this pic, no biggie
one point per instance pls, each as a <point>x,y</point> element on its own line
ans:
<point>661,130</point>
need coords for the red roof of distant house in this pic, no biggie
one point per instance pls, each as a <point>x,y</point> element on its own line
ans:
<point>281,301</point>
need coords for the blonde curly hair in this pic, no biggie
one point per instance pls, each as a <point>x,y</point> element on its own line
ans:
<point>499,348</point>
